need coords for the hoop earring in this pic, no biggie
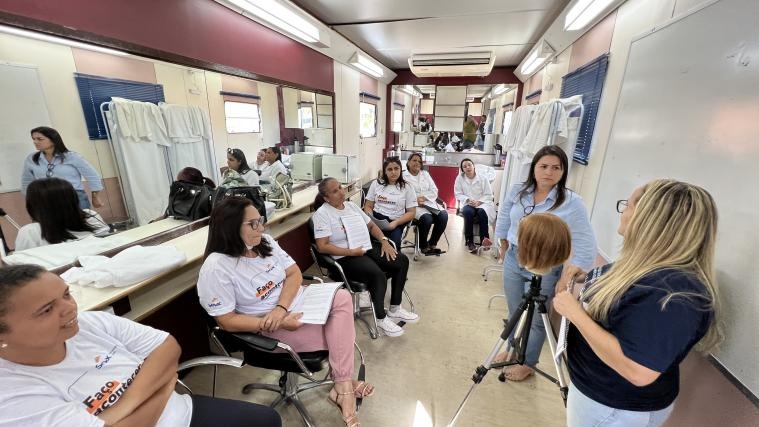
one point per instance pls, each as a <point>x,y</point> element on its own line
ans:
<point>4,345</point>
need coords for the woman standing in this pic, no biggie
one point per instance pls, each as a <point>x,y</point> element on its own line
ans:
<point>237,162</point>
<point>476,196</point>
<point>544,191</point>
<point>390,199</point>
<point>53,159</point>
<point>429,214</point>
<point>646,311</point>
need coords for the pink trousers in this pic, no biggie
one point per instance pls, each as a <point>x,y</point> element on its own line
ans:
<point>336,336</point>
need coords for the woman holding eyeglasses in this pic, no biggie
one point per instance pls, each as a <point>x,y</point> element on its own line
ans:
<point>53,159</point>
<point>640,316</point>
<point>544,191</point>
<point>249,284</point>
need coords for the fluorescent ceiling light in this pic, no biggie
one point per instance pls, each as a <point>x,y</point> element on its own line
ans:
<point>58,40</point>
<point>537,57</point>
<point>282,17</point>
<point>366,65</point>
<point>411,90</point>
<point>583,12</point>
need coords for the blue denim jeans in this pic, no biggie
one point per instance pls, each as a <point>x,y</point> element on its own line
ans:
<point>583,411</point>
<point>395,234</point>
<point>516,281</point>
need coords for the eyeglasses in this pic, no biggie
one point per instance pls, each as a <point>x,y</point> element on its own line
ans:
<point>621,205</point>
<point>254,223</point>
<point>50,167</point>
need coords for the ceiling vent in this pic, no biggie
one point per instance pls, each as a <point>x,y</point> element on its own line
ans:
<point>477,64</point>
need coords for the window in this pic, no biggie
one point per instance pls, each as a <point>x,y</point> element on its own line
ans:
<point>306,117</point>
<point>242,117</point>
<point>506,121</point>
<point>397,120</point>
<point>368,120</point>
<point>587,81</point>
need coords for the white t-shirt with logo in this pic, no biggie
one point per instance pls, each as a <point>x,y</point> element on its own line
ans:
<point>391,200</point>
<point>327,223</point>
<point>102,360</point>
<point>244,285</point>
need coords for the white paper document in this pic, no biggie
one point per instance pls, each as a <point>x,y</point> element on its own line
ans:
<point>356,232</point>
<point>561,344</point>
<point>315,302</point>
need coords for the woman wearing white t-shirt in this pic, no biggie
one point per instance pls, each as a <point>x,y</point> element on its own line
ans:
<point>249,284</point>
<point>54,207</point>
<point>476,196</point>
<point>429,214</point>
<point>93,369</point>
<point>391,199</point>
<point>275,165</point>
<point>237,162</point>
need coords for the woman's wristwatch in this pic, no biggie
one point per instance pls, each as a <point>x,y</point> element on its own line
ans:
<point>385,239</point>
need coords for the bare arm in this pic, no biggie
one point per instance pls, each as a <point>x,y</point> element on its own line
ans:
<point>293,278</point>
<point>325,247</point>
<point>150,411</point>
<point>369,207</point>
<point>406,217</point>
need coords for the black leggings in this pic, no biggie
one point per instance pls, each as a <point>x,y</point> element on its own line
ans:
<point>212,411</point>
<point>370,269</point>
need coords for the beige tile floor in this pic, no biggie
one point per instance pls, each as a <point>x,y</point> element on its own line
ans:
<point>422,376</point>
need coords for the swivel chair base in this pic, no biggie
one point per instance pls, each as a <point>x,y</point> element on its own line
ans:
<point>288,391</point>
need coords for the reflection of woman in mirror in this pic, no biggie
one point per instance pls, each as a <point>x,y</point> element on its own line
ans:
<point>275,167</point>
<point>261,160</point>
<point>237,162</point>
<point>53,159</point>
<point>54,207</point>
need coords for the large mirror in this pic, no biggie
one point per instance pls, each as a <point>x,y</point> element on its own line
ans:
<point>131,126</point>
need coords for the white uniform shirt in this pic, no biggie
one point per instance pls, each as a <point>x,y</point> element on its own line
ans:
<point>244,285</point>
<point>270,172</point>
<point>30,235</point>
<point>251,177</point>
<point>477,188</point>
<point>101,361</point>
<point>425,187</point>
<point>327,223</point>
<point>391,200</point>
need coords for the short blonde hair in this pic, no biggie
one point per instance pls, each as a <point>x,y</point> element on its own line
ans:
<point>544,242</point>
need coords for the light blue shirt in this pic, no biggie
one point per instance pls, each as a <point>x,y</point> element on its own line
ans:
<point>70,166</point>
<point>572,211</point>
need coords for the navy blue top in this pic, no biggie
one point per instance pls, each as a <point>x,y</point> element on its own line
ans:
<point>656,338</point>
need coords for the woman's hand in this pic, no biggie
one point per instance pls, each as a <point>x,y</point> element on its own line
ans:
<point>568,306</point>
<point>273,320</point>
<point>568,273</point>
<point>421,199</point>
<point>388,251</point>
<point>392,225</point>
<point>357,252</point>
<point>292,321</point>
<point>96,202</point>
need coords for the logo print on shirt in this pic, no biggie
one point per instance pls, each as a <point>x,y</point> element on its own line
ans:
<point>108,394</point>
<point>215,302</point>
<point>100,362</point>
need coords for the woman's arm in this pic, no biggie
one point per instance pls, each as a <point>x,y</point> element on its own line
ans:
<point>387,249</point>
<point>150,411</point>
<point>325,247</point>
<point>369,207</point>
<point>293,279</point>
<point>403,219</point>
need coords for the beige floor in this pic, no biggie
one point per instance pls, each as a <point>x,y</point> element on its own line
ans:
<point>422,376</point>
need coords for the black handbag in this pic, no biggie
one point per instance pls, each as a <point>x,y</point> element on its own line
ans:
<point>251,193</point>
<point>189,201</point>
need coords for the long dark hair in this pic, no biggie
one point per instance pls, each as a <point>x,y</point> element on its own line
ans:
<point>319,199</point>
<point>240,157</point>
<point>401,183</point>
<point>224,230</point>
<point>531,184</point>
<point>461,165</point>
<point>58,146</point>
<point>276,150</point>
<point>53,203</point>
<point>195,176</point>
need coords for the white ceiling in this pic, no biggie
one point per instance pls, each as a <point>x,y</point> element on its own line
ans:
<point>391,30</point>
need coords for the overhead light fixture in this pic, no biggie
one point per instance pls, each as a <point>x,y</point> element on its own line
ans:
<point>537,57</point>
<point>280,16</point>
<point>411,90</point>
<point>363,63</point>
<point>583,12</point>
<point>58,40</point>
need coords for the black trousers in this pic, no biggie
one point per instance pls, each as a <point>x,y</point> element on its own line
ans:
<point>212,411</point>
<point>371,268</point>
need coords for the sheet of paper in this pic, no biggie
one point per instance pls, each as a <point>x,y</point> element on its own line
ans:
<point>315,302</point>
<point>383,224</point>
<point>356,231</point>
<point>561,344</point>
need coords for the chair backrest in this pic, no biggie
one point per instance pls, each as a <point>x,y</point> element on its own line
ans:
<point>323,261</point>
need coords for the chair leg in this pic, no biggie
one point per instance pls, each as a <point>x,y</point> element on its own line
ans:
<point>375,334</point>
<point>490,301</point>
<point>492,268</point>
<point>410,301</point>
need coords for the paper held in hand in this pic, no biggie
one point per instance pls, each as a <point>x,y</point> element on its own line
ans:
<point>315,302</point>
<point>383,224</point>
<point>356,232</point>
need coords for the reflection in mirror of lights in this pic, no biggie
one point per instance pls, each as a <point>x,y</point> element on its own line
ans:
<point>421,417</point>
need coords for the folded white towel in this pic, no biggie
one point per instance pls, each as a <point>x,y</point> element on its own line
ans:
<point>130,266</point>
<point>51,256</point>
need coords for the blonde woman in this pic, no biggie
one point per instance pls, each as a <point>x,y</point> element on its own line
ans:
<point>643,314</point>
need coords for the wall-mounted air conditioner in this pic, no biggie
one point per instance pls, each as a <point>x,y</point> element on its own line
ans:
<point>452,64</point>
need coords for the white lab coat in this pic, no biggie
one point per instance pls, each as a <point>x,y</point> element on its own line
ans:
<point>477,188</point>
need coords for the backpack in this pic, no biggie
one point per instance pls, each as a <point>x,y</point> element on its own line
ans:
<point>189,201</point>
<point>251,193</point>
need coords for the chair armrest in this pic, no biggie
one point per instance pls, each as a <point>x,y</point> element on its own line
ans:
<point>258,342</point>
<point>210,360</point>
<point>310,277</point>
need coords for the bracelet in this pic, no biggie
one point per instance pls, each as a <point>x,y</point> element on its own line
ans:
<point>282,307</point>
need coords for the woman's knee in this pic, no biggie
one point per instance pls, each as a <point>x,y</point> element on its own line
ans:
<point>426,219</point>
<point>342,299</point>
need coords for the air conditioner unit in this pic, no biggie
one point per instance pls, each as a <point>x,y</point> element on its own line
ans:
<point>452,64</point>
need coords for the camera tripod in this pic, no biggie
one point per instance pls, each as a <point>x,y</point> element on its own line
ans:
<point>521,321</point>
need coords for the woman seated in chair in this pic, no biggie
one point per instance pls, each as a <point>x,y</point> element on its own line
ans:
<point>429,213</point>
<point>389,198</point>
<point>275,165</point>
<point>237,162</point>
<point>61,367</point>
<point>54,207</point>
<point>474,194</point>
<point>249,284</point>
<point>367,266</point>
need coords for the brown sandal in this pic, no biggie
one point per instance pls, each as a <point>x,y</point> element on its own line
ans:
<point>351,420</point>
<point>360,390</point>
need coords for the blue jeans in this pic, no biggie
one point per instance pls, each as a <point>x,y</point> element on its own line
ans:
<point>516,281</point>
<point>396,234</point>
<point>472,214</point>
<point>583,411</point>
<point>84,202</point>
<point>436,222</point>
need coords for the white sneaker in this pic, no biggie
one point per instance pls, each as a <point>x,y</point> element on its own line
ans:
<point>402,314</point>
<point>364,300</point>
<point>388,327</point>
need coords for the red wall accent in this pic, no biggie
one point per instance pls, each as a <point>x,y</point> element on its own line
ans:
<point>199,29</point>
<point>445,178</point>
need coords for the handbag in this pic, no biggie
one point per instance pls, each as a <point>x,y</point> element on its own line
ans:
<point>251,193</point>
<point>189,201</point>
